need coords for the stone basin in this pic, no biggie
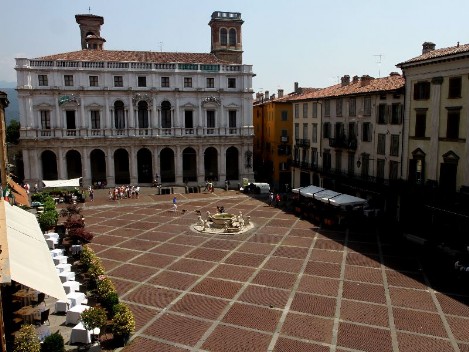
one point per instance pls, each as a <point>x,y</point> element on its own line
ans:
<point>220,219</point>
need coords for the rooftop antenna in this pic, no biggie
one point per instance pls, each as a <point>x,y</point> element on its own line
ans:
<point>161,46</point>
<point>89,10</point>
<point>379,57</point>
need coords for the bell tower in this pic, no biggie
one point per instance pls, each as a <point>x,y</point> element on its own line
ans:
<point>227,41</point>
<point>90,30</point>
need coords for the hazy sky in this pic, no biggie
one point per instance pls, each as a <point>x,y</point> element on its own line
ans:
<point>307,41</point>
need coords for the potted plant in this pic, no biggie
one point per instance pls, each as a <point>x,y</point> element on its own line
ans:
<point>53,343</point>
<point>94,317</point>
<point>48,219</point>
<point>123,323</point>
<point>27,340</point>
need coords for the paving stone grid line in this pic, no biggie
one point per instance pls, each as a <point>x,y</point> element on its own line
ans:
<point>284,286</point>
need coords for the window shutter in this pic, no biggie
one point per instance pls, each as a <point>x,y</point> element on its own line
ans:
<point>387,116</point>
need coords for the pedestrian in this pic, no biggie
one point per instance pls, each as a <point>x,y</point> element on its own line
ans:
<point>175,206</point>
<point>91,194</point>
<point>35,188</point>
<point>277,200</point>
<point>271,198</point>
<point>227,185</point>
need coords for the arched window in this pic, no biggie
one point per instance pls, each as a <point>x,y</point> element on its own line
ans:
<point>142,114</point>
<point>166,114</point>
<point>223,36</point>
<point>232,37</point>
<point>119,115</point>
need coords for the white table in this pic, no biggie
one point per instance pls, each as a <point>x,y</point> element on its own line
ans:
<point>62,306</point>
<point>67,276</point>
<point>60,259</point>
<point>71,286</point>
<point>75,298</point>
<point>64,268</point>
<point>56,252</point>
<point>52,235</point>
<point>51,242</point>
<point>80,334</point>
<point>74,314</point>
<point>76,248</point>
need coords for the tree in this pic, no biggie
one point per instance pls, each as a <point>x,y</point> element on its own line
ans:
<point>13,132</point>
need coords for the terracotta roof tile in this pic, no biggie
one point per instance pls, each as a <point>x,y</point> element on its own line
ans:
<point>376,85</point>
<point>135,56</point>
<point>437,53</point>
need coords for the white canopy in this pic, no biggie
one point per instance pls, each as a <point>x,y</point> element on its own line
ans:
<point>343,200</point>
<point>325,195</point>
<point>309,191</point>
<point>25,256</point>
<point>73,182</point>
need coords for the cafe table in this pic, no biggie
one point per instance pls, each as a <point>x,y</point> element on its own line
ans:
<point>75,298</point>
<point>80,334</point>
<point>60,259</point>
<point>74,314</point>
<point>64,267</point>
<point>25,295</point>
<point>56,252</point>
<point>67,276</point>
<point>28,313</point>
<point>71,286</point>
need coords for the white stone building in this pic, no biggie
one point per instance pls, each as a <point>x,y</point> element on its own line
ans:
<point>120,117</point>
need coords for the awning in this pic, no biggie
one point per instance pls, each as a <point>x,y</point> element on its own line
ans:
<point>73,182</point>
<point>309,191</point>
<point>19,193</point>
<point>344,200</point>
<point>325,195</point>
<point>25,256</point>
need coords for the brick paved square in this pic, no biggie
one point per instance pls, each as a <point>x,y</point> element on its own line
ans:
<point>213,255</point>
<point>138,244</point>
<point>291,252</point>
<point>221,244</point>
<point>284,264</point>
<point>409,280</point>
<point>313,304</point>
<point>154,297</point>
<point>280,222</point>
<point>364,313</point>
<point>178,329</point>
<point>218,288</point>
<point>200,306</point>
<point>118,254</point>
<point>154,260</point>
<point>321,255</point>
<point>329,244</point>
<point>265,296</point>
<point>172,279</point>
<point>142,344</point>
<point>363,260</point>
<point>140,225</point>
<point>123,286</point>
<point>289,345</point>
<point>322,269</point>
<point>142,315</point>
<point>273,230</point>
<point>125,232</point>
<point>319,285</point>
<point>363,274</point>
<point>365,248</point>
<point>297,241</point>
<point>107,240</point>
<point>410,298</point>
<point>401,263</point>
<point>172,249</point>
<point>245,259</point>
<point>188,239</point>
<point>97,248</point>
<point>275,279</point>
<point>232,272</point>
<point>109,264</point>
<point>265,319</point>
<point>361,291</point>
<point>364,338</point>
<point>156,236</point>
<point>454,305</point>
<point>418,343</point>
<point>459,327</point>
<point>265,238</point>
<point>256,248</point>
<point>308,327</point>
<point>230,339</point>
<point>133,272</point>
<point>192,266</point>
<point>419,322</point>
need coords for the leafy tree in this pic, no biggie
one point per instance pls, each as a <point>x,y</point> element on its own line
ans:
<point>13,132</point>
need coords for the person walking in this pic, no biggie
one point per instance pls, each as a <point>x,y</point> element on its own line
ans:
<point>175,206</point>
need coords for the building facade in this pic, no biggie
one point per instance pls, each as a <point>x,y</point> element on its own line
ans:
<point>120,117</point>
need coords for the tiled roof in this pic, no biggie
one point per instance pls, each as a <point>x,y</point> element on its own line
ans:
<point>375,85</point>
<point>135,56</point>
<point>437,53</point>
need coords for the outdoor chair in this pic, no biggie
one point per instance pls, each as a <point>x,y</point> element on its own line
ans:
<point>44,317</point>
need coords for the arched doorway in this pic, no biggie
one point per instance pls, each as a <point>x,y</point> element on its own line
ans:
<point>98,166</point>
<point>189,165</point>
<point>144,166</point>
<point>167,169</point>
<point>73,158</point>
<point>121,166</point>
<point>211,164</point>
<point>49,165</point>
<point>232,164</point>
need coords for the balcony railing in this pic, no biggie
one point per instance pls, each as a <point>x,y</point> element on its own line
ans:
<point>302,143</point>
<point>284,139</point>
<point>346,143</point>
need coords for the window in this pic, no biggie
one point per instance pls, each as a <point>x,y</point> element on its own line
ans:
<point>305,110</point>
<point>297,130</point>
<point>366,132</point>
<point>352,107</point>
<point>141,81</point>
<point>454,88</point>
<point>95,120</point>
<point>142,114</point>
<point>420,123</point>
<point>68,80</point>
<point>188,119</point>
<point>165,82</point>
<point>452,124</point>
<point>232,37</point>
<point>210,82</point>
<point>315,110</point>
<point>380,163</point>
<point>338,160</point>
<point>396,113</point>
<point>70,119</point>
<point>351,163</point>
<point>381,144</point>
<point>119,115</point>
<point>326,133</point>
<point>231,82</point>
<point>382,114</point>
<point>187,82</point>
<point>326,160</point>
<point>232,121</point>
<point>305,131</point>
<point>421,90</point>
<point>118,81</point>
<point>314,157</point>
<point>394,151</point>
<point>367,106</point>
<point>327,108</point>
<point>45,119</point>
<point>43,81</point>
<point>315,133</point>
<point>338,107</point>
<point>210,121</point>
<point>393,169</point>
<point>223,36</point>
<point>365,165</point>
<point>284,115</point>
<point>94,81</point>
<point>296,108</point>
<point>165,114</point>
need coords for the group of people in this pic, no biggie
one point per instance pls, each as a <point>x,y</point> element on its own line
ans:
<point>123,192</point>
<point>274,200</point>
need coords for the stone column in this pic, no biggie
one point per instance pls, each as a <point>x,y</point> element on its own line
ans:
<point>86,167</point>
<point>133,165</point>
<point>178,165</point>
<point>433,162</point>
<point>110,175</point>
<point>222,163</point>
<point>61,165</point>
<point>131,117</point>
<point>201,165</point>
<point>58,115</point>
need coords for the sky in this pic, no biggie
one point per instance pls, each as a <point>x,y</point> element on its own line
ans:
<point>311,42</point>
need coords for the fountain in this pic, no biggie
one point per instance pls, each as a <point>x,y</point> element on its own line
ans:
<point>223,223</point>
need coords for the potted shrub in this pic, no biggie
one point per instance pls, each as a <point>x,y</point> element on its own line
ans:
<point>94,317</point>
<point>53,343</point>
<point>80,235</point>
<point>27,340</point>
<point>123,323</point>
<point>48,219</point>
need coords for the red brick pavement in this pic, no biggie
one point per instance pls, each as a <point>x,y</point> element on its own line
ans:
<point>284,286</point>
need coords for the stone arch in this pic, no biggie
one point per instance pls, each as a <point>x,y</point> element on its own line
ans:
<point>144,166</point>
<point>121,166</point>
<point>98,166</point>
<point>232,163</point>
<point>167,166</point>
<point>74,166</point>
<point>189,165</point>
<point>49,165</point>
<point>211,163</point>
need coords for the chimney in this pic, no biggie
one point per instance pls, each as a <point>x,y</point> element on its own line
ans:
<point>280,93</point>
<point>296,88</point>
<point>266,95</point>
<point>345,81</point>
<point>355,79</point>
<point>90,31</point>
<point>272,97</point>
<point>393,74</point>
<point>365,80</point>
<point>427,47</point>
